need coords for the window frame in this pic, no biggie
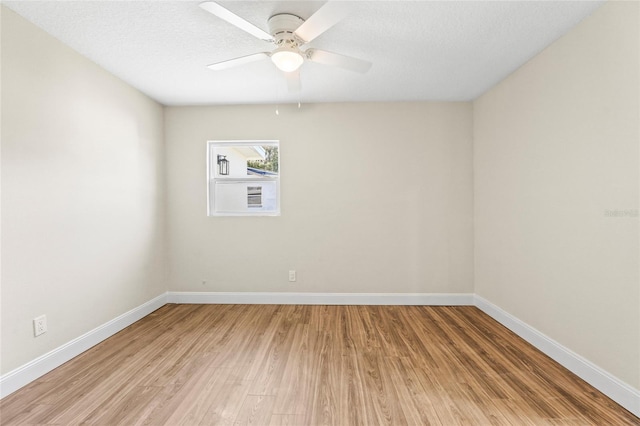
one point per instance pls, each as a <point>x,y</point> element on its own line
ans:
<point>213,177</point>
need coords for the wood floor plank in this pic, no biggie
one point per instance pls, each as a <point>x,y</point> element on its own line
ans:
<point>313,365</point>
<point>129,408</point>
<point>286,420</point>
<point>295,387</point>
<point>256,410</point>
<point>268,373</point>
<point>224,409</point>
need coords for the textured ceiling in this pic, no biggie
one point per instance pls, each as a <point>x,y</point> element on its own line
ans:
<point>420,50</point>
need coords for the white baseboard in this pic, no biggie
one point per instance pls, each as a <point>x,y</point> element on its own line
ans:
<point>620,392</point>
<point>435,299</point>
<point>21,376</point>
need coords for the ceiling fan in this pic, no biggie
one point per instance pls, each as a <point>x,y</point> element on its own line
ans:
<point>289,33</point>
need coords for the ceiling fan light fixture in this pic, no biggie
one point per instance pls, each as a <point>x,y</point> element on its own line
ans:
<point>287,59</point>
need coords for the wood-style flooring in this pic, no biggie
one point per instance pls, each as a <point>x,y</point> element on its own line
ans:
<point>312,365</point>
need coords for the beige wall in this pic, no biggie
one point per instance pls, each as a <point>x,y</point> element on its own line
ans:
<point>357,216</point>
<point>82,194</point>
<point>556,148</point>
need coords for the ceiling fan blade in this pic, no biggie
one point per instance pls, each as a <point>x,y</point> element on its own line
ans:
<point>233,19</point>
<point>293,81</point>
<point>336,60</point>
<point>326,17</point>
<point>238,61</point>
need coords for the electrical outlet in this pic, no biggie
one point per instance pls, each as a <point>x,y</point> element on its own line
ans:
<point>39,325</point>
<point>292,276</point>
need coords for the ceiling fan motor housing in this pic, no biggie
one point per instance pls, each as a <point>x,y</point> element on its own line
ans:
<point>282,27</point>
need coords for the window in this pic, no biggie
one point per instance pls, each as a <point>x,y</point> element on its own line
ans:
<point>243,178</point>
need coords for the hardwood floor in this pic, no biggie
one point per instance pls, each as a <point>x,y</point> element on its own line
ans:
<point>312,365</point>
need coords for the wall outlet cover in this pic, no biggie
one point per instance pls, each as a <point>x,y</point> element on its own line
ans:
<point>39,325</point>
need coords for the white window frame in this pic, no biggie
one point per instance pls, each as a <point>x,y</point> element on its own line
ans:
<point>213,177</point>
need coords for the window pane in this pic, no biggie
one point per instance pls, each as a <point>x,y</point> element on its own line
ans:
<point>245,197</point>
<point>237,161</point>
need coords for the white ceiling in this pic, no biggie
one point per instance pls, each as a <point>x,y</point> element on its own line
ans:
<point>420,50</point>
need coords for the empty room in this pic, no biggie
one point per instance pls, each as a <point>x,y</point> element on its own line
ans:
<point>320,213</point>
